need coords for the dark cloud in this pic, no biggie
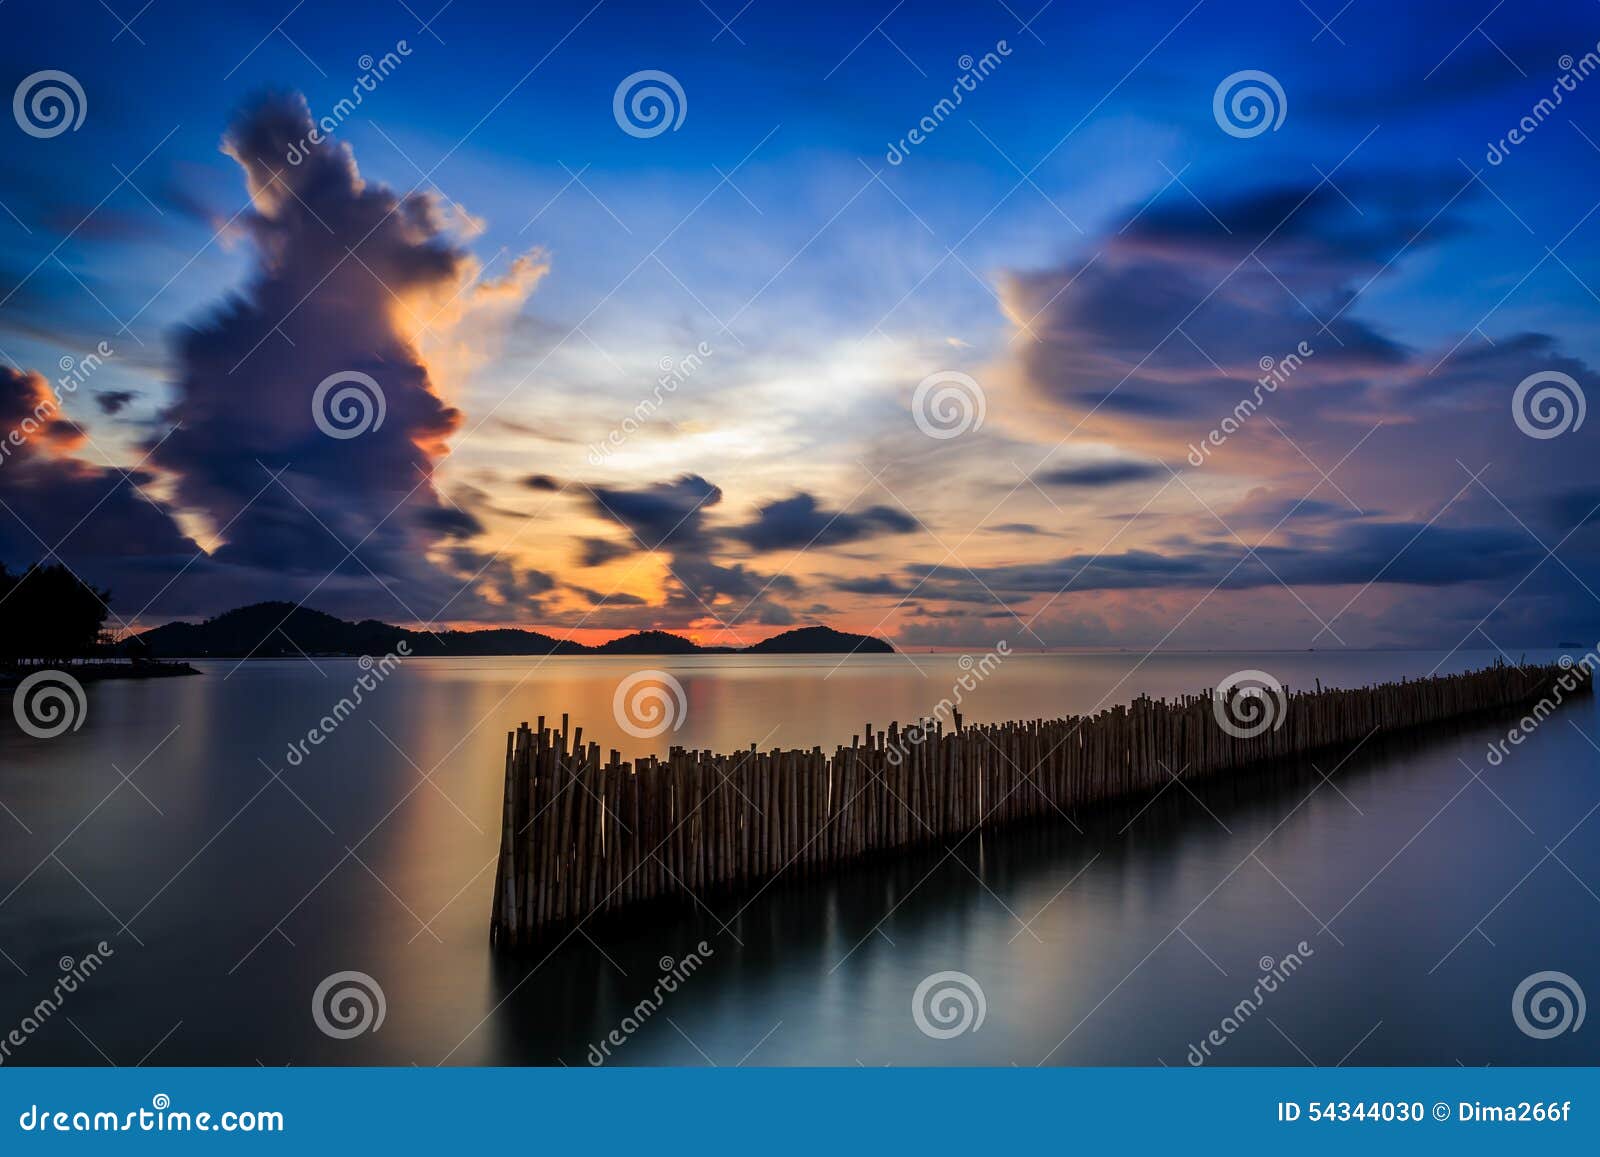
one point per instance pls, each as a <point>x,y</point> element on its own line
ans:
<point>670,518</point>
<point>602,599</point>
<point>1266,508</point>
<point>1394,552</point>
<point>1101,474</point>
<point>1358,440</point>
<point>450,522</point>
<point>344,269</point>
<point>113,402</point>
<point>872,585</point>
<point>1314,229</point>
<point>798,522</point>
<point>1575,507</point>
<point>31,418</point>
<point>100,522</point>
<point>1172,319</point>
<point>661,515</point>
<point>599,551</point>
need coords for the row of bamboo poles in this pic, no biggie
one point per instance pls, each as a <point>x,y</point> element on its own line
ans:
<point>581,836</point>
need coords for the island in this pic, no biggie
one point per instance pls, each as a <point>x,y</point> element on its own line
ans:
<point>280,630</point>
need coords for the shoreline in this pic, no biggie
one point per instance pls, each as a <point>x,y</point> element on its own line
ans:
<point>95,672</point>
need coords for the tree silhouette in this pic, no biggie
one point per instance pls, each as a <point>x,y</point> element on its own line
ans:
<point>48,614</point>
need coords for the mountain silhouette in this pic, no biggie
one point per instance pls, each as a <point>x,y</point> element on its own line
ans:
<point>281,630</point>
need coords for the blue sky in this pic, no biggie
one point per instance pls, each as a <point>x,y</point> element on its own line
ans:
<point>1081,190</point>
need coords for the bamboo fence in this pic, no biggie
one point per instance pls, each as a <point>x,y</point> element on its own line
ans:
<point>581,836</point>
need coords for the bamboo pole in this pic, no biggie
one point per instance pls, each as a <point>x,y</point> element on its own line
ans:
<point>579,836</point>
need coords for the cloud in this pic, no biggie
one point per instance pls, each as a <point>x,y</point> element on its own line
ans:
<point>661,515</point>
<point>347,276</point>
<point>1174,318</point>
<point>1016,528</point>
<point>801,521</point>
<point>31,419</point>
<point>599,551</point>
<point>872,585</point>
<point>671,518</point>
<point>1097,475</point>
<point>1349,441</point>
<point>100,522</point>
<point>1397,552</point>
<point>112,402</point>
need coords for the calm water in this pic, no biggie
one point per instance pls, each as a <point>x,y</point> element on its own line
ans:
<point>1424,896</point>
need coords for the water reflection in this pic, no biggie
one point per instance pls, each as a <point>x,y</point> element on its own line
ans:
<point>230,883</point>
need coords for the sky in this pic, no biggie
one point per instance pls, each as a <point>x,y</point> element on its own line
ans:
<point>1201,324</point>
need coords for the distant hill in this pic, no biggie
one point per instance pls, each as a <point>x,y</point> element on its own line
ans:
<point>656,643</point>
<point>285,631</point>
<point>818,641</point>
